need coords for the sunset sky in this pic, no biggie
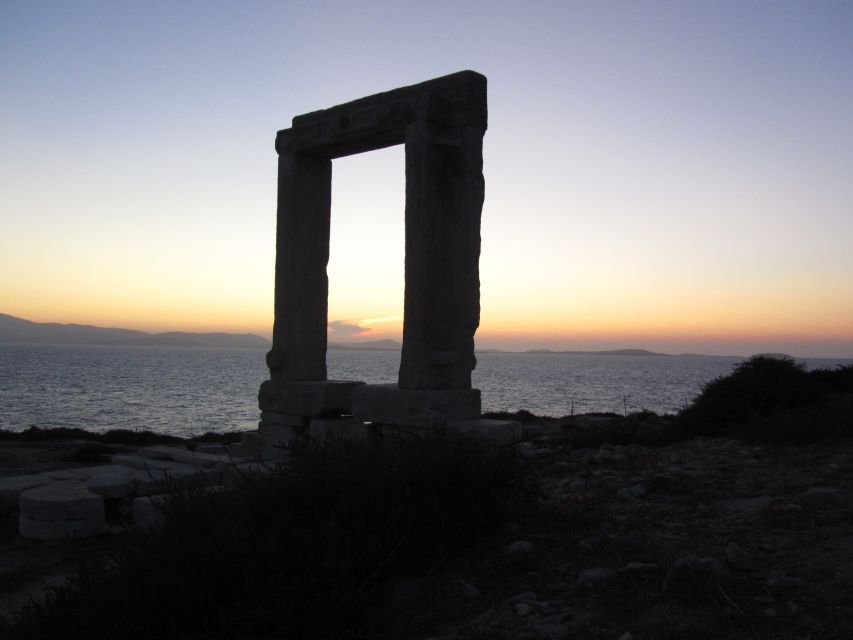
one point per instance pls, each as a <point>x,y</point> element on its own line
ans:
<point>676,176</point>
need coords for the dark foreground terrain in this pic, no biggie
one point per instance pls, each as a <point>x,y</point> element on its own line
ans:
<point>707,525</point>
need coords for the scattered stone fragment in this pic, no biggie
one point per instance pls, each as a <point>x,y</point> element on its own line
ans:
<point>747,505</point>
<point>524,609</point>
<point>631,493</point>
<point>591,578</point>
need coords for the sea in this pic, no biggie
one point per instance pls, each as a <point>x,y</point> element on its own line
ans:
<point>187,391</point>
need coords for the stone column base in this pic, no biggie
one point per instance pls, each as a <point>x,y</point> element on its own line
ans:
<point>422,408</point>
<point>289,403</point>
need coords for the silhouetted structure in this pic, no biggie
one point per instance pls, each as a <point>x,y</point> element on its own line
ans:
<point>442,123</point>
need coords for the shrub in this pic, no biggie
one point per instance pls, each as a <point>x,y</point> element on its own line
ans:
<point>302,553</point>
<point>772,398</point>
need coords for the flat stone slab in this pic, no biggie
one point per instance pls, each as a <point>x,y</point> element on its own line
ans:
<point>389,404</point>
<point>12,486</point>
<point>112,486</point>
<point>497,431</point>
<point>63,474</point>
<point>154,481</point>
<point>306,398</point>
<point>183,455</point>
<point>142,463</point>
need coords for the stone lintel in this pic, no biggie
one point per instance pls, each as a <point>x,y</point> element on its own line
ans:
<point>378,121</point>
<point>310,398</point>
<point>389,404</point>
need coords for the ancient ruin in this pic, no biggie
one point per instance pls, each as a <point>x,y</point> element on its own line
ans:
<point>441,122</point>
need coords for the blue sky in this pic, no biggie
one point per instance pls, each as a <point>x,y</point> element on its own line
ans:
<point>667,175</point>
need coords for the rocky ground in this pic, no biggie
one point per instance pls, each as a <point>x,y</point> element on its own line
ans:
<point>706,538</point>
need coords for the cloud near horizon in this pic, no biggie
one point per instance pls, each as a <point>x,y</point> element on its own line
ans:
<point>346,329</point>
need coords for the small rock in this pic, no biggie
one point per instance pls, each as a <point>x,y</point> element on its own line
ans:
<point>486,620</point>
<point>712,566</point>
<point>518,547</point>
<point>631,493</point>
<point>683,569</point>
<point>524,609</point>
<point>524,595</point>
<point>588,578</point>
<point>589,543</point>
<point>738,558</point>
<point>627,636</point>
<point>468,590</point>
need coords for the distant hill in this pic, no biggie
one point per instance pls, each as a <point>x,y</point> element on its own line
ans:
<point>18,330</point>
<point>373,345</point>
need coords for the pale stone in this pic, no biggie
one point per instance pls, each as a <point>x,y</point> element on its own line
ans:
<point>499,432</point>
<point>104,469</point>
<point>307,398</point>
<point>63,475</point>
<point>60,510</point>
<point>112,486</point>
<point>442,123</point>
<point>183,455</point>
<point>142,463</point>
<point>388,404</point>
<point>148,512</point>
<point>163,476</point>
<point>60,501</point>
<point>61,529</point>
<point>12,486</point>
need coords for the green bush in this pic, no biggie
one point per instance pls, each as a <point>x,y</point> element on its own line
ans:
<point>302,553</point>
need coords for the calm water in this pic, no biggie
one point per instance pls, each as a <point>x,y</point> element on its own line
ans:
<point>188,391</point>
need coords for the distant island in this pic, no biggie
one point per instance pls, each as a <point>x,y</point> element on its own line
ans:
<point>19,331</point>
<point>611,352</point>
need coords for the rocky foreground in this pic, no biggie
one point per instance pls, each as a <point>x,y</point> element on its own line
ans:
<point>704,538</point>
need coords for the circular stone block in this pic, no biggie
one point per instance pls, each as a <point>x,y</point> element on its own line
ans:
<point>59,502</point>
<point>62,529</point>
<point>111,485</point>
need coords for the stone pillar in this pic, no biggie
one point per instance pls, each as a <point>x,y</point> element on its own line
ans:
<point>444,201</point>
<point>442,123</point>
<point>302,254</point>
